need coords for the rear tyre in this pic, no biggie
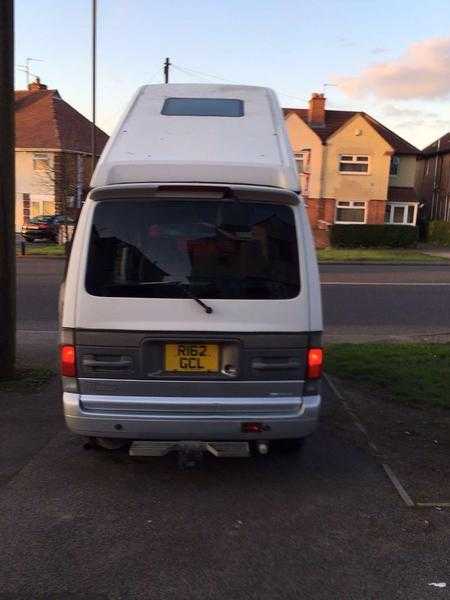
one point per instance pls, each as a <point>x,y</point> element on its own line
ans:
<point>108,443</point>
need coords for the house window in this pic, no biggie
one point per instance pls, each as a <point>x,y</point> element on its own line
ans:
<point>401,214</point>
<point>354,163</point>
<point>40,161</point>
<point>300,159</point>
<point>395,166</point>
<point>348,212</point>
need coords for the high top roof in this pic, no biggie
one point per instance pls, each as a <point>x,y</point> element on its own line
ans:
<point>45,121</point>
<point>149,146</point>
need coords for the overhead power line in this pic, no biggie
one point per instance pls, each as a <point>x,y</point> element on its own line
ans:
<point>193,72</point>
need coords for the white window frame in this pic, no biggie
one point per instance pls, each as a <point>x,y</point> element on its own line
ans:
<point>354,160</point>
<point>300,157</point>
<point>395,160</point>
<point>42,157</point>
<point>304,179</point>
<point>350,204</point>
<point>405,206</point>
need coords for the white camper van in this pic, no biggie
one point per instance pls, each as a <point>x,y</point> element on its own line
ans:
<point>191,308</point>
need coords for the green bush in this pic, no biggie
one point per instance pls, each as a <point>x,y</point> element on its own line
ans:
<point>370,236</point>
<point>439,233</point>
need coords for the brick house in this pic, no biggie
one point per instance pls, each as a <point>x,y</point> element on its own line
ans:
<point>352,169</point>
<point>53,153</point>
<point>433,180</point>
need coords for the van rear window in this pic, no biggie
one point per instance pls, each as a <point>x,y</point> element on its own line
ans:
<point>213,249</point>
<point>203,107</point>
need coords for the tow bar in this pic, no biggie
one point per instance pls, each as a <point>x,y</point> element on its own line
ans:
<point>190,453</point>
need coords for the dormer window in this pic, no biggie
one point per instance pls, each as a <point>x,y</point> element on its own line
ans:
<point>395,166</point>
<point>354,164</point>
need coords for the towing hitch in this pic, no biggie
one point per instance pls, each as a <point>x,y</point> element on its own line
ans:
<point>190,452</point>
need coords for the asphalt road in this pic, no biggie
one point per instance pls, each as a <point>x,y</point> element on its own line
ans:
<point>325,524</point>
<point>360,302</point>
<point>373,302</point>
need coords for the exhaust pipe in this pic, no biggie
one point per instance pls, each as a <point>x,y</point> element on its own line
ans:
<point>262,447</point>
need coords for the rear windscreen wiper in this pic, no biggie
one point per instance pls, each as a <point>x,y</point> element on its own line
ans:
<point>190,294</point>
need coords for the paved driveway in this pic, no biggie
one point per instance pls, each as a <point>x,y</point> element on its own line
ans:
<point>327,524</point>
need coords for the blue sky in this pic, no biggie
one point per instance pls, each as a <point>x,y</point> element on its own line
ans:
<point>391,58</point>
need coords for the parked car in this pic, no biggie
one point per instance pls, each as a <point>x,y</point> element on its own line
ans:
<point>44,227</point>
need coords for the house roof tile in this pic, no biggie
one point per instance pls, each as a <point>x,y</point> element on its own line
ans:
<point>334,119</point>
<point>444,146</point>
<point>401,194</point>
<point>45,120</point>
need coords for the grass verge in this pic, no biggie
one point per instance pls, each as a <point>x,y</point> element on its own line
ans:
<point>44,250</point>
<point>413,374</point>
<point>376,255</point>
<point>26,380</point>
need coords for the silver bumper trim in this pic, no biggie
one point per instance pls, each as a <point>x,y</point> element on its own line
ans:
<point>214,418</point>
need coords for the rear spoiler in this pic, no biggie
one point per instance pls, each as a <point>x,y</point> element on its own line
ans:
<point>244,193</point>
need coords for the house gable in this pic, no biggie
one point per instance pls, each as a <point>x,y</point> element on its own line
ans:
<point>303,137</point>
<point>357,137</point>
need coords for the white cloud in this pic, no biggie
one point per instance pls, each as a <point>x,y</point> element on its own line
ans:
<point>423,71</point>
<point>379,50</point>
<point>345,42</point>
<point>389,110</point>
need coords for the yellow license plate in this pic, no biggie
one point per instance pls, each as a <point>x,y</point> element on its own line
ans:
<point>192,358</point>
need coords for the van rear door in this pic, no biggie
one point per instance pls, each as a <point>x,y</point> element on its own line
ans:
<point>161,264</point>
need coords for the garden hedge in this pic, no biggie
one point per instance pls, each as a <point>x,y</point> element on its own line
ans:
<point>374,236</point>
<point>439,233</point>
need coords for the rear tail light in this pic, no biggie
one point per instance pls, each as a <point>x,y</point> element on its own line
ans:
<point>68,360</point>
<point>314,363</point>
<point>254,427</point>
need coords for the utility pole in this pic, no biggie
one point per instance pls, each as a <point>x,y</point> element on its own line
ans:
<point>7,193</point>
<point>167,64</point>
<point>94,82</point>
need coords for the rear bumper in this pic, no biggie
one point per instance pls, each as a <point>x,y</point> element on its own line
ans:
<point>189,418</point>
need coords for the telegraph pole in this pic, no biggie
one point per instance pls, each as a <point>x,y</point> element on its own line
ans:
<point>167,65</point>
<point>7,193</point>
<point>94,82</point>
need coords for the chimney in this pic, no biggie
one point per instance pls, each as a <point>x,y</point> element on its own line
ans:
<point>36,86</point>
<point>316,110</point>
